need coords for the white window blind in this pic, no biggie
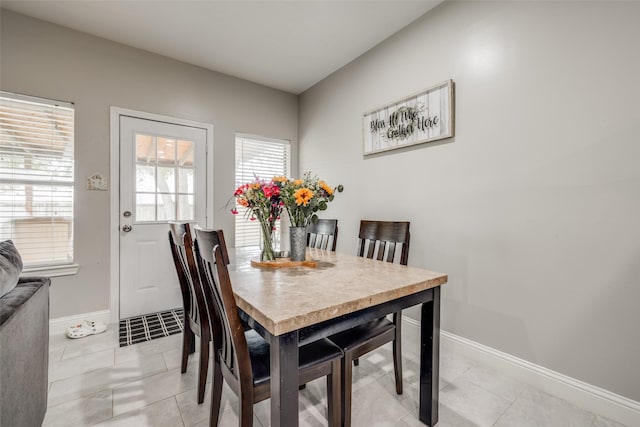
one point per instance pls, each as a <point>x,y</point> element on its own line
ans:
<point>262,159</point>
<point>36,178</point>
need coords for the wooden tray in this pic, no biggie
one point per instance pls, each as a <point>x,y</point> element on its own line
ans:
<point>284,263</point>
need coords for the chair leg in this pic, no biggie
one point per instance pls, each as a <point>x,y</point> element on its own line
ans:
<point>187,339</point>
<point>397,358</point>
<point>216,393</point>
<point>346,378</point>
<point>204,366</point>
<point>192,346</point>
<point>334,398</point>
<point>246,412</point>
<point>397,364</point>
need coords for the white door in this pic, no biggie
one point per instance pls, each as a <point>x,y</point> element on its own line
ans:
<point>162,178</point>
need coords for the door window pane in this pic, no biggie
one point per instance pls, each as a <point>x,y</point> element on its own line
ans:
<point>185,153</point>
<point>145,149</point>
<point>166,151</point>
<point>145,207</point>
<point>166,207</point>
<point>145,178</point>
<point>185,183</point>
<point>164,179</point>
<point>185,208</point>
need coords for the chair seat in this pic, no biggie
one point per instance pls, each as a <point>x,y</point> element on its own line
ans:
<point>311,354</point>
<point>359,335</point>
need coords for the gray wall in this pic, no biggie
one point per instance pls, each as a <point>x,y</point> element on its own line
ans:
<point>50,61</point>
<point>532,209</point>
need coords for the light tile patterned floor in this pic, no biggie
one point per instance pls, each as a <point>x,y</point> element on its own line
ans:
<point>95,382</point>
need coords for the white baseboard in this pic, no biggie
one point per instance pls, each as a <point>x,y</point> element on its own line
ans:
<point>579,393</point>
<point>60,324</point>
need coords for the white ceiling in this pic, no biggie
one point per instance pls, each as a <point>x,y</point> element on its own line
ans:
<point>288,45</point>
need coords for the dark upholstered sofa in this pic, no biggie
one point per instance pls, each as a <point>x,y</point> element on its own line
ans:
<point>24,352</point>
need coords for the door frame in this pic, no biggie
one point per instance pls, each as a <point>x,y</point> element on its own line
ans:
<point>114,172</point>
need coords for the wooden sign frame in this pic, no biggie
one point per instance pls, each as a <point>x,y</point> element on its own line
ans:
<point>423,117</point>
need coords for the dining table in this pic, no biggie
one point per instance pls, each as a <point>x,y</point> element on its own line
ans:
<point>292,306</point>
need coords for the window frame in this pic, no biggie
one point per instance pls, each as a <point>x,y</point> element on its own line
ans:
<point>246,224</point>
<point>49,267</point>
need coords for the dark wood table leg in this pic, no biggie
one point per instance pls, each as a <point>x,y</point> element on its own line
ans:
<point>430,359</point>
<point>284,380</point>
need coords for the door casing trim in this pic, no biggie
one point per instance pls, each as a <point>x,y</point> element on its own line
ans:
<point>114,187</point>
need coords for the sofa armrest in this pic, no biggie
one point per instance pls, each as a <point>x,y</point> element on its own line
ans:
<point>24,352</point>
<point>12,301</point>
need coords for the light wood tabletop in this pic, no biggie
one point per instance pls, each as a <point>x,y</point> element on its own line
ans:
<point>291,306</point>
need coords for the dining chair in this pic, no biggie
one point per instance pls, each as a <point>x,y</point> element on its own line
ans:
<point>243,355</point>
<point>323,234</point>
<point>196,319</point>
<point>377,240</point>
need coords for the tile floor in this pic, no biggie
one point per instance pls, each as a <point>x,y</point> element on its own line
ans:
<point>94,382</point>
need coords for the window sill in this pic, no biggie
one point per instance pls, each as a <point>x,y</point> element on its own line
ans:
<point>52,270</point>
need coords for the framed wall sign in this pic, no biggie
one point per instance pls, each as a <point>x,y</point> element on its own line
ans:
<point>423,117</point>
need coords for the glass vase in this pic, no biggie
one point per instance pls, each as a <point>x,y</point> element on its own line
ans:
<point>267,253</point>
<point>298,238</point>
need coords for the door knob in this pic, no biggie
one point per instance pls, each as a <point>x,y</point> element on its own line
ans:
<point>126,228</point>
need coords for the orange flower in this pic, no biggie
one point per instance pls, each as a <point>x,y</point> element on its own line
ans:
<point>303,196</point>
<point>254,185</point>
<point>243,202</point>
<point>297,183</point>
<point>280,179</point>
<point>325,187</point>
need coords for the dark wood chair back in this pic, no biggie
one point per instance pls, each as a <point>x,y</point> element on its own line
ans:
<point>196,316</point>
<point>181,243</point>
<point>380,240</point>
<point>243,359</point>
<point>210,249</point>
<point>323,234</point>
<point>377,240</point>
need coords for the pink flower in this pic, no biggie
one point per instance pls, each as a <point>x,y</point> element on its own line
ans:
<point>240,189</point>
<point>271,190</point>
<point>234,211</point>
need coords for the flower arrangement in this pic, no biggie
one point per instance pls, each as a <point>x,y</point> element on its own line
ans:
<point>264,203</point>
<point>304,197</point>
